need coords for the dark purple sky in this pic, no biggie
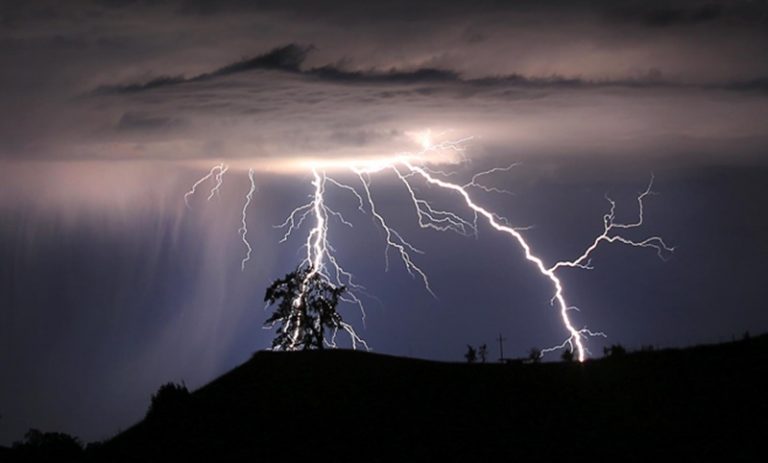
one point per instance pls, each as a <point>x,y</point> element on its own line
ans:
<point>110,287</point>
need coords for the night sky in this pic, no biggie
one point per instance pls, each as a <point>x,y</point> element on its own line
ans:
<point>111,110</point>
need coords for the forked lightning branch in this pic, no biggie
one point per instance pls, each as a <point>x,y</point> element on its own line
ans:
<point>409,169</point>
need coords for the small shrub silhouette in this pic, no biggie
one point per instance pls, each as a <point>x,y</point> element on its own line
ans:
<point>616,350</point>
<point>534,355</point>
<point>471,354</point>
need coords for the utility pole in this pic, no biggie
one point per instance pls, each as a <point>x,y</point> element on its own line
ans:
<point>501,348</point>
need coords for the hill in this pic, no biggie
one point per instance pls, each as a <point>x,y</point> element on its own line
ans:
<point>353,406</point>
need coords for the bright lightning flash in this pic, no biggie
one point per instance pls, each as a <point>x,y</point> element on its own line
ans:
<point>320,258</point>
<point>216,172</point>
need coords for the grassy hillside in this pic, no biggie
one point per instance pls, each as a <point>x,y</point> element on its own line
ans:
<point>344,405</point>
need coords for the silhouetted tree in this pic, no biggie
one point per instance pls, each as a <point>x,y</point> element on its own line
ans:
<point>306,307</point>
<point>567,355</point>
<point>482,351</point>
<point>534,355</point>
<point>471,354</point>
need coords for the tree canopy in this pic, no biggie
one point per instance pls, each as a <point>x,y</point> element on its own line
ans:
<point>305,307</point>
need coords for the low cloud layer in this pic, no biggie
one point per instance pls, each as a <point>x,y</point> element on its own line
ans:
<point>199,80</point>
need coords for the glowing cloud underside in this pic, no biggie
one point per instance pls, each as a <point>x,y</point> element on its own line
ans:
<point>408,168</point>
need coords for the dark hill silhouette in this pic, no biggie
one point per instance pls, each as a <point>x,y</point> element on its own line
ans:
<point>339,405</point>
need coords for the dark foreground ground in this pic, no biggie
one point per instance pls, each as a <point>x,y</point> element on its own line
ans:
<point>696,403</point>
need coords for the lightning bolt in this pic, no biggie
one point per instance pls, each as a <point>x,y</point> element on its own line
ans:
<point>244,222</point>
<point>219,181</point>
<point>490,189</point>
<point>575,335</point>
<point>392,237</point>
<point>321,261</point>
<point>217,171</point>
<point>610,224</point>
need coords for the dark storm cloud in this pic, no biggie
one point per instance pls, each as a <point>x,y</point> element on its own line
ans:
<point>487,38</point>
<point>287,58</point>
<point>279,102</point>
<point>168,79</point>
